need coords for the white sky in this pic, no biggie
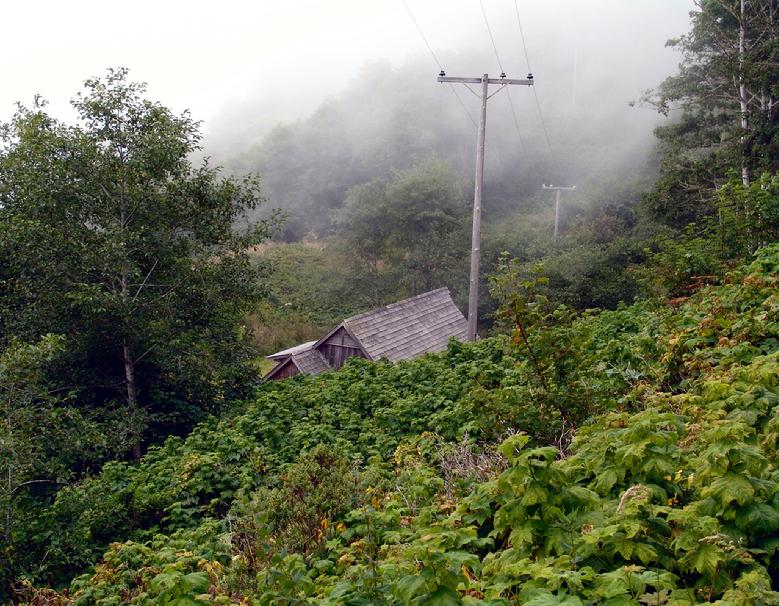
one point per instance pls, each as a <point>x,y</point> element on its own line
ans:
<point>216,57</point>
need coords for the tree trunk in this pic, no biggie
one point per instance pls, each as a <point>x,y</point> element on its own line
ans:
<point>742,91</point>
<point>8,514</point>
<point>132,401</point>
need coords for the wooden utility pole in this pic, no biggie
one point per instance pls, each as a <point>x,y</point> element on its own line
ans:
<point>575,74</point>
<point>485,81</point>
<point>557,204</point>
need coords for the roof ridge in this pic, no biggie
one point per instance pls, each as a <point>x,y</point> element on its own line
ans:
<point>397,304</point>
<point>295,349</point>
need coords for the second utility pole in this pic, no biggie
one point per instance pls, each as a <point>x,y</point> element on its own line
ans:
<point>485,81</point>
<point>557,204</point>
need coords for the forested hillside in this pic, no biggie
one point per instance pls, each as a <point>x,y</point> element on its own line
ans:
<point>389,119</point>
<point>636,197</point>
<point>610,439</point>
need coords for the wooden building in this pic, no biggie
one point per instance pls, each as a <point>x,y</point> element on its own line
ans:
<point>301,358</point>
<point>400,331</point>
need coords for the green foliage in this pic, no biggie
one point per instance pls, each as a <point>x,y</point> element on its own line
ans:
<point>746,219</point>
<point>180,570</point>
<point>717,186</point>
<point>41,438</point>
<point>670,496</point>
<point>370,131</point>
<point>573,366</point>
<point>318,488</point>
<point>310,290</point>
<point>708,141</point>
<point>748,216</point>
<point>591,264</point>
<point>620,457</point>
<point>110,237</point>
<point>408,231</point>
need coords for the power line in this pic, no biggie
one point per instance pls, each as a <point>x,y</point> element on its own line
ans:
<point>516,121</point>
<point>522,37</point>
<point>419,29</point>
<point>462,104</point>
<point>529,69</point>
<point>438,63</point>
<point>492,38</point>
<point>502,72</point>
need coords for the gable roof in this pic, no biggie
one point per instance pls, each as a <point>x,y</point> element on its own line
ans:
<point>309,361</point>
<point>399,331</point>
<point>408,328</point>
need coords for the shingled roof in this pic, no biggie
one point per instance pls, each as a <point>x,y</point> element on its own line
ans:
<point>409,328</point>
<point>306,359</point>
<point>400,331</point>
<point>310,362</point>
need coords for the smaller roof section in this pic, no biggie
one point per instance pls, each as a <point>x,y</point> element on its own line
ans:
<point>308,362</point>
<point>279,355</point>
<point>311,362</point>
<point>409,328</point>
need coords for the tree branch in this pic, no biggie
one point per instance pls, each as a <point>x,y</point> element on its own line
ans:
<point>142,284</point>
<point>29,482</point>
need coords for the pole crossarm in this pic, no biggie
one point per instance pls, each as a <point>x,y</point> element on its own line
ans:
<point>491,95</point>
<point>526,82</point>
<point>557,187</point>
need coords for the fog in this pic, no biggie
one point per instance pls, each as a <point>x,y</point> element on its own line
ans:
<point>577,126</point>
<point>595,55</point>
<point>270,61</point>
<point>353,83</point>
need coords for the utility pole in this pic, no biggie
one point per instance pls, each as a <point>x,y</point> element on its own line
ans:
<point>557,204</point>
<point>485,81</point>
<point>575,74</point>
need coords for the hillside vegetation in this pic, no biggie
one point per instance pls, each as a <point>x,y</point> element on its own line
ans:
<point>620,457</point>
<point>612,440</point>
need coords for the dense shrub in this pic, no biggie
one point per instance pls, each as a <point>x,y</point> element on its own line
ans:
<point>667,494</point>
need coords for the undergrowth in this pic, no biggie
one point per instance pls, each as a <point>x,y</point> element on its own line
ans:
<point>622,457</point>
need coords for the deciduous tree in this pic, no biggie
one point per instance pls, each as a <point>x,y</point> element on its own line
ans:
<point>411,229</point>
<point>110,236</point>
<point>726,91</point>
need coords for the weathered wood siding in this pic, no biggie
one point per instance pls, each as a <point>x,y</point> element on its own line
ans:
<point>339,347</point>
<point>289,370</point>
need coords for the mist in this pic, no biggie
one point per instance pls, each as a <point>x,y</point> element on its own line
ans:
<point>319,97</point>
<point>612,42</point>
<point>316,133</point>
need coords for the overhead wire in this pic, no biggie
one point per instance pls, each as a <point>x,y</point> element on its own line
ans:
<point>502,72</point>
<point>514,116</point>
<point>492,38</point>
<point>530,70</point>
<point>440,66</point>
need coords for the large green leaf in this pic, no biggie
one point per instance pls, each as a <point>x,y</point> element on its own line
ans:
<point>704,560</point>
<point>443,596</point>
<point>410,586</point>
<point>547,598</point>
